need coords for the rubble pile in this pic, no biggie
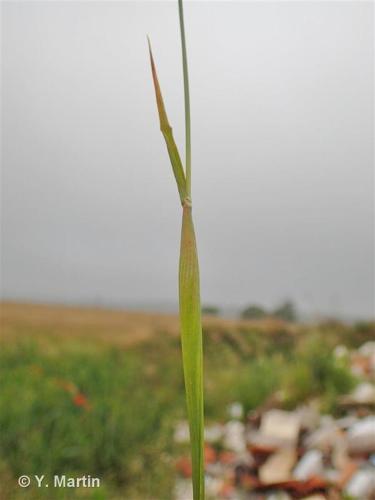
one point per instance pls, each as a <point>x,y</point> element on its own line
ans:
<point>273,454</point>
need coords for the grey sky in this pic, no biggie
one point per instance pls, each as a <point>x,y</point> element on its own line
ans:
<point>282,123</point>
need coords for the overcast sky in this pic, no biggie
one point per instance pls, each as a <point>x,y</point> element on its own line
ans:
<point>282,136</point>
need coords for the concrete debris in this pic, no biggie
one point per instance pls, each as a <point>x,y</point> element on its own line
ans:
<point>258,442</point>
<point>311,464</point>
<point>214,433</point>
<point>281,425</point>
<point>340,455</point>
<point>364,394</point>
<point>182,433</point>
<point>213,486</point>
<point>234,436</point>
<point>235,410</point>
<point>362,485</point>
<point>278,466</point>
<point>361,436</point>
<point>322,438</point>
<point>345,422</point>
<point>367,349</point>
<point>341,351</point>
<point>183,490</point>
<point>308,416</point>
<point>273,454</point>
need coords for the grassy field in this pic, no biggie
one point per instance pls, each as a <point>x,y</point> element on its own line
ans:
<point>98,392</point>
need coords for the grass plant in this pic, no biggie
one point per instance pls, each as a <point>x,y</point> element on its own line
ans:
<point>189,290</point>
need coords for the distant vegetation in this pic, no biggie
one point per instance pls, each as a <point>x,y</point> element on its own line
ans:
<point>71,402</point>
<point>211,310</point>
<point>254,312</point>
<point>286,312</point>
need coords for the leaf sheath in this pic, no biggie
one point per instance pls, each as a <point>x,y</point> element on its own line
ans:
<point>192,351</point>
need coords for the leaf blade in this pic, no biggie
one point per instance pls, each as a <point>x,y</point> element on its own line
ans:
<point>167,132</point>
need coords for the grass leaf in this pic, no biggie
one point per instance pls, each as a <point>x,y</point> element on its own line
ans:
<point>189,294</point>
<point>166,130</point>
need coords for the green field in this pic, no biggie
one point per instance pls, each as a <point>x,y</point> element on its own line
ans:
<point>85,391</point>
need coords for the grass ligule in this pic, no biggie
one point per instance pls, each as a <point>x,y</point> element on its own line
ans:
<point>189,290</point>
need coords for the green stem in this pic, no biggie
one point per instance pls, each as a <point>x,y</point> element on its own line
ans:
<point>190,307</point>
<point>187,101</point>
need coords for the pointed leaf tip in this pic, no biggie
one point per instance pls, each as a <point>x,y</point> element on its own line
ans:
<point>166,129</point>
<point>164,124</point>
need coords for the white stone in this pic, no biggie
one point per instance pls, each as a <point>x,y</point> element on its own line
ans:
<point>311,464</point>
<point>362,485</point>
<point>183,489</point>
<point>234,437</point>
<point>324,437</point>
<point>340,351</point>
<point>181,433</point>
<point>309,417</point>
<point>281,424</point>
<point>364,393</point>
<point>213,433</point>
<point>367,349</point>
<point>278,467</point>
<point>361,436</point>
<point>235,410</point>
